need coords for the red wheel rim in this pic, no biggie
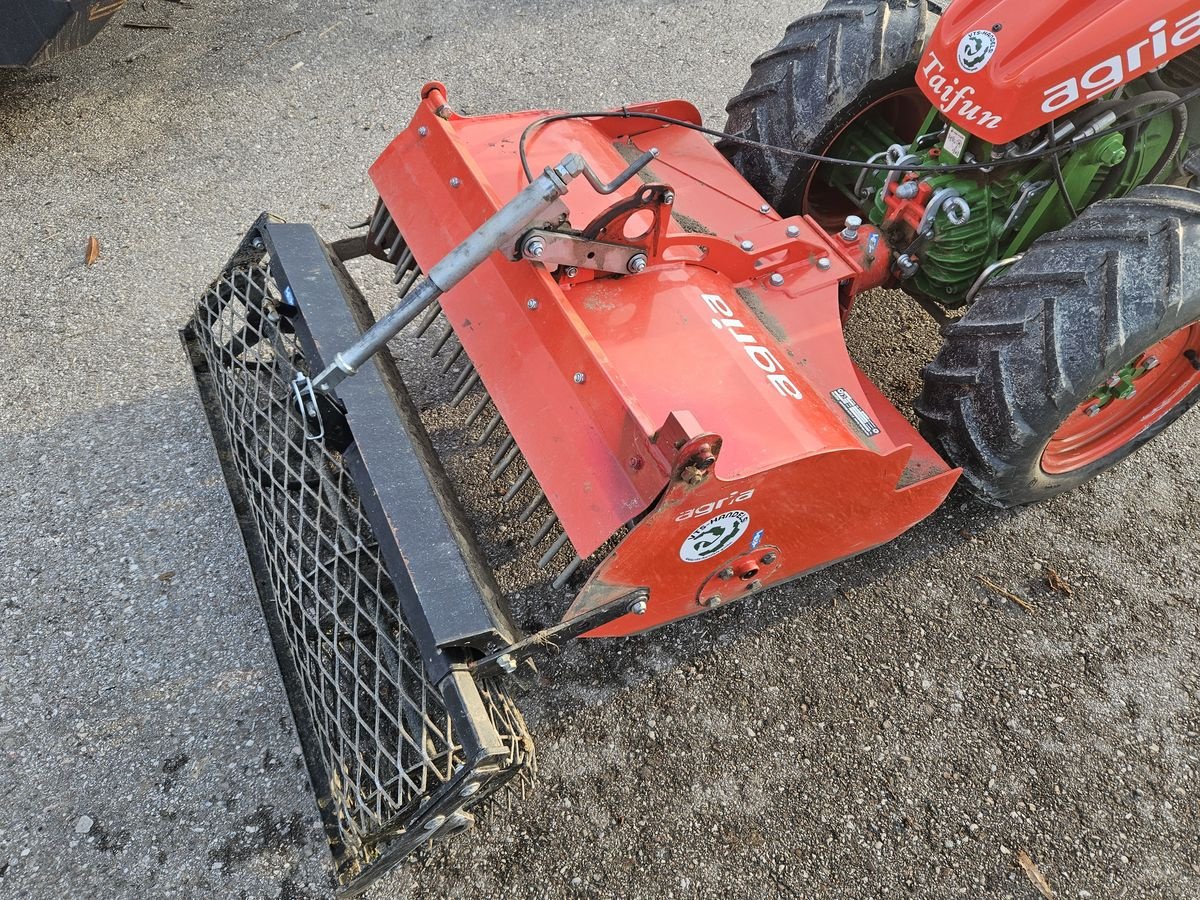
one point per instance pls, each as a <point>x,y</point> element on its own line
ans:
<point>902,113</point>
<point>1098,429</point>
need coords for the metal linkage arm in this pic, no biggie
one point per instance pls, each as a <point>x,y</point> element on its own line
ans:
<point>501,230</point>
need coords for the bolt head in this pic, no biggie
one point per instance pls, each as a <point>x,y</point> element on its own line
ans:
<point>572,271</point>
<point>668,198</point>
<point>422,131</point>
<point>1093,410</point>
<point>507,663</point>
<point>755,585</point>
<point>1150,362</point>
<point>824,264</point>
<point>454,182</point>
<point>712,601</point>
<point>765,208</point>
<point>776,280</point>
<point>637,263</point>
<point>908,190</point>
<point>768,558</point>
<point>747,246</point>
<point>638,608</point>
<point>580,378</point>
<point>793,231</point>
<point>636,463</point>
<point>258,244</point>
<point>725,574</point>
<point>531,303</point>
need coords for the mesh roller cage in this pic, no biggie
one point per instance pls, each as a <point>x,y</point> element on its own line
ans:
<point>403,743</point>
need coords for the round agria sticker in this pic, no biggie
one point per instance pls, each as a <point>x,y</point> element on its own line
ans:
<point>976,50</point>
<point>716,535</point>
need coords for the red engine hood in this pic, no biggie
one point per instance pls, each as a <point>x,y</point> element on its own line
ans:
<point>1001,68</point>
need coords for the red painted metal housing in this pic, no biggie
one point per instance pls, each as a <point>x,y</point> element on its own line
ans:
<point>703,353</point>
<point>1001,68</point>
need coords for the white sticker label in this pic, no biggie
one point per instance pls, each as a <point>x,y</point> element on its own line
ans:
<point>715,536</point>
<point>955,142</point>
<point>976,50</point>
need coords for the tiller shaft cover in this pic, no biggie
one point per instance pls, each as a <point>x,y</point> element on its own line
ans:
<point>704,405</point>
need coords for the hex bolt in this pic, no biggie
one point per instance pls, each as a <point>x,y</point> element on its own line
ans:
<point>754,586</point>
<point>908,190</point>
<point>824,264</point>
<point>572,271</point>
<point>258,244</point>
<point>765,208</point>
<point>776,280</point>
<point>637,263</point>
<point>850,232</point>
<point>454,182</point>
<point>725,574</point>
<point>422,131</point>
<point>534,247</point>
<point>507,663</point>
<point>712,601</point>
<point>469,790</point>
<point>638,607</point>
<point>1093,410</point>
<point>531,303</point>
<point>580,378</point>
<point>668,198</point>
<point>793,231</point>
<point>747,246</point>
<point>1150,362</point>
<point>769,558</point>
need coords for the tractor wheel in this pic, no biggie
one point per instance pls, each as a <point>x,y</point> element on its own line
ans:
<point>1075,356</point>
<point>850,67</point>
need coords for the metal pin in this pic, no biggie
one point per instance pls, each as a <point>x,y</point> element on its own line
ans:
<point>531,507</point>
<point>565,575</point>
<point>466,373</point>
<point>503,465</point>
<point>430,318</point>
<point>553,551</point>
<point>478,410</point>
<point>544,530</point>
<point>505,446</point>
<point>449,364</point>
<point>441,341</point>
<point>395,248</point>
<point>402,266</point>
<point>518,484</point>
<point>491,426</point>
<point>380,212</point>
<point>465,389</point>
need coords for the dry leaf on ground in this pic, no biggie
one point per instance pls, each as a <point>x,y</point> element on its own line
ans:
<point>1035,876</point>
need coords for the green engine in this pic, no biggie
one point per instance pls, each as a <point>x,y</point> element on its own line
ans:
<point>978,220</point>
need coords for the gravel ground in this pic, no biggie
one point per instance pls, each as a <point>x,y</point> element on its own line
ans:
<point>887,728</point>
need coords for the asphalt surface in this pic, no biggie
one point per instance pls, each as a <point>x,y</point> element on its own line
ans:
<point>889,727</point>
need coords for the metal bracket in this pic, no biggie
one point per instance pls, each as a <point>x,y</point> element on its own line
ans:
<point>549,639</point>
<point>570,249</point>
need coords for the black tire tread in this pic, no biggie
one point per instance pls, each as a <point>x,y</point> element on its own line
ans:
<point>826,63</point>
<point>1029,351</point>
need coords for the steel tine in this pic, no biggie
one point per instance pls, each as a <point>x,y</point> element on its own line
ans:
<point>395,248</point>
<point>507,444</point>
<point>544,530</point>
<point>407,282</point>
<point>453,359</point>
<point>465,389</point>
<point>380,211</point>
<point>430,318</point>
<point>518,484</point>
<point>465,375</point>
<point>478,410</point>
<point>565,575</point>
<point>505,463</point>
<point>491,426</point>
<point>531,507</point>
<point>553,551</point>
<point>402,265</point>
<point>441,342</point>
